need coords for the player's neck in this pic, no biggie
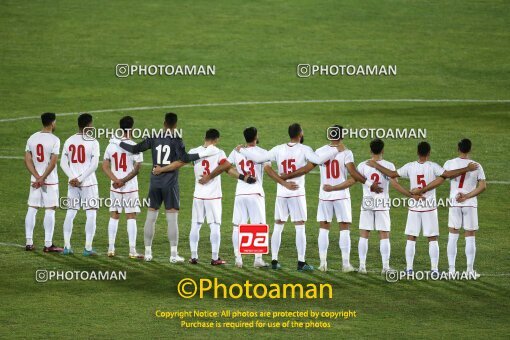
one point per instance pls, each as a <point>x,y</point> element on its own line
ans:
<point>295,140</point>
<point>377,157</point>
<point>422,159</point>
<point>207,143</point>
<point>463,155</point>
<point>46,129</point>
<point>251,144</point>
<point>335,143</point>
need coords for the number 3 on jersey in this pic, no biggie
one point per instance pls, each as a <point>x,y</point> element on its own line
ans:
<point>163,156</point>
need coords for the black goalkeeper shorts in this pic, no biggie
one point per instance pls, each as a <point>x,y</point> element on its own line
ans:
<point>168,195</point>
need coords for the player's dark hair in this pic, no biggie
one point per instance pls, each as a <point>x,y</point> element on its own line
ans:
<point>47,118</point>
<point>336,132</point>
<point>84,120</point>
<point>423,149</point>
<point>126,123</point>
<point>212,134</point>
<point>250,134</point>
<point>464,145</point>
<point>171,119</point>
<point>376,146</point>
<point>294,130</point>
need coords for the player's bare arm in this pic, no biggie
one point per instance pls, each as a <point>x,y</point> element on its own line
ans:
<point>131,175</point>
<point>106,166</point>
<point>482,186</point>
<point>396,185</point>
<point>232,172</point>
<point>271,173</point>
<point>342,186</point>
<point>374,187</point>
<point>219,169</point>
<point>431,186</point>
<point>29,163</point>
<point>52,164</point>
<point>299,172</point>
<point>385,171</point>
<point>455,173</point>
<point>157,170</point>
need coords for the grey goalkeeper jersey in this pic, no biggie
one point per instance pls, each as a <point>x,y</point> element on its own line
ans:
<point>165,150</point>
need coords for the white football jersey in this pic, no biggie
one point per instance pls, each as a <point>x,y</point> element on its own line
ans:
<point>383,181</point>
<point>122,164</point>
<point>42,145</point>
<point>248,167</point>
<point>205,166</point>
<point>464,183</point>
<point>289,157</point>
<point>421,174</point>
<point>80,155</point>
<point>334,172</point>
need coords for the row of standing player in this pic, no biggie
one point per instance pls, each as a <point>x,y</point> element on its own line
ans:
<point>294,160</point>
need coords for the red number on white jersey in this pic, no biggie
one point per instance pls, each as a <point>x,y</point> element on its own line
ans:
<point>77,153</point>
<point>332,169</point>
<point>288,166</point>
<point>205,164</point>
<point>461,180</point>
<point>249,165</point>
<point>375,178</point>
<point>421,181</point>
<point>120,162</point>
<point>40,152</point>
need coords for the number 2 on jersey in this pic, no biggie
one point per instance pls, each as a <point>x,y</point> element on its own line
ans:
<point>77,153</point>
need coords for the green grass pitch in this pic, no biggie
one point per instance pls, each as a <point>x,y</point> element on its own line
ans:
<point>60,56</point>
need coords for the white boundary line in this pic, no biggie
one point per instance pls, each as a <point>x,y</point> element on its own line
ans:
<point>275,102</point>
<point>314,172</point>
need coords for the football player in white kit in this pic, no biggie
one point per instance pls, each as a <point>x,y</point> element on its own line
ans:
<point>249,204</point>
<point>206,198</point>
<point>80,158</point>
<point>422,213</point>
<point>290,203</point>
<point>122,168</point>
<point>41,156</point>
<point>464,190</point>
<point>335,163</point>
<point>375,208</point>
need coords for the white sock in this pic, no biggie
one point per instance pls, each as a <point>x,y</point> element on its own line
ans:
<point>215,238</point>
<point>194,237</point>
<point>470,252</point>
<point>235,240</point>
<point>149,228</point>
<point>362,251</point>
<point>173,231</point>
<point>90,228</point>
<point>276,240</point>
<point>434,254</point>
<point>345,246</point>
<point>132,230</point>
<point>410,250</point>
<point>49,226</point>
<point>301,242</point>
<point>113,225</point>
<point>323,244</point>
<point>451,250</point>
<point>68,227</point>
<point>30,224</point>
<point>385,249</point>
